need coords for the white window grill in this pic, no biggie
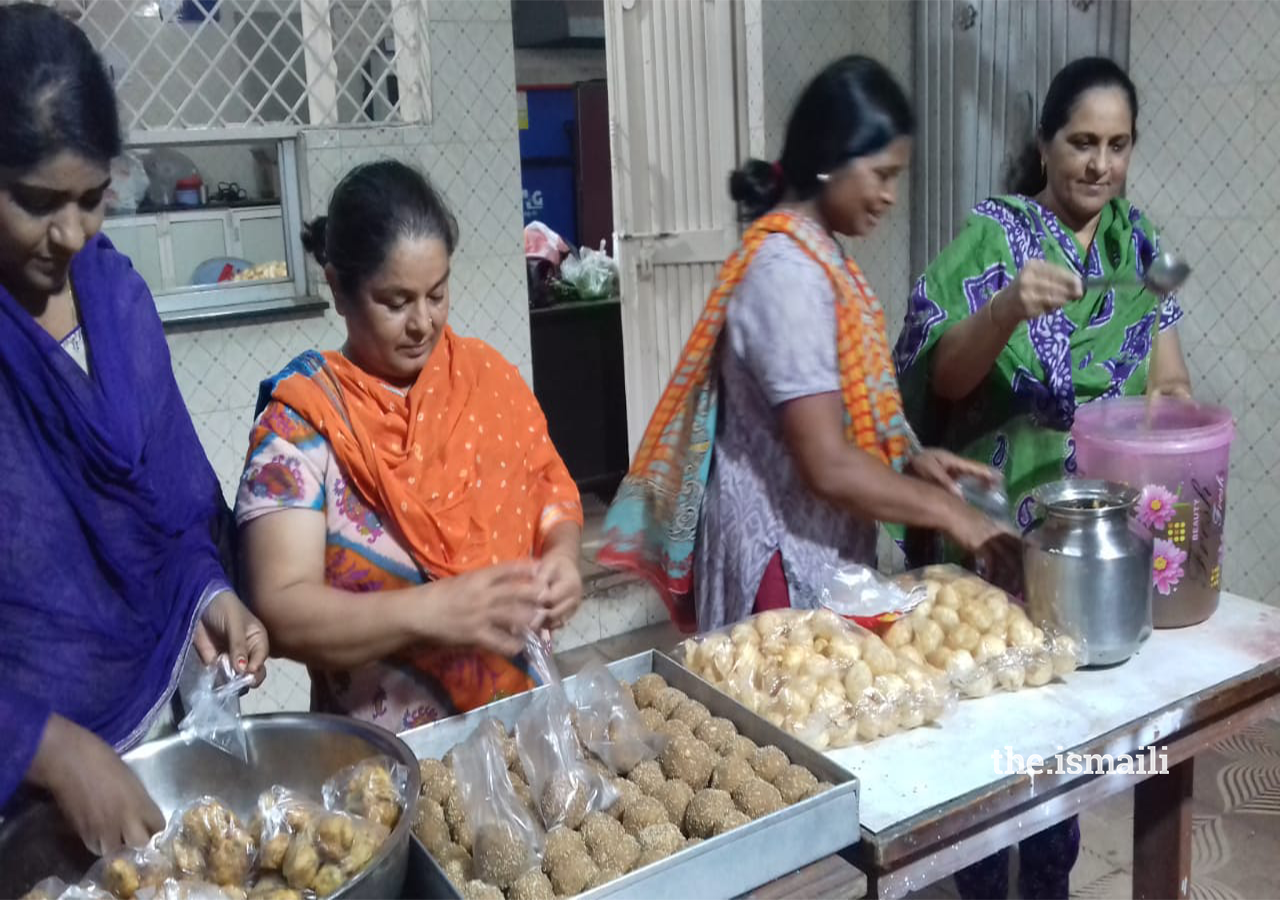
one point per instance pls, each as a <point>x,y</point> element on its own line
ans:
<point>259,68</point>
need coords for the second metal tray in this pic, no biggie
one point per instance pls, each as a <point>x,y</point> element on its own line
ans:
<point>722,867</point>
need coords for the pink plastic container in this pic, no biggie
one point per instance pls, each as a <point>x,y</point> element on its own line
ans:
<point>1179,461</point>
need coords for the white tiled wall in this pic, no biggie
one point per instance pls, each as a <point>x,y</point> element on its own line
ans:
<point>1207,170</point>
<point>798,39</point>
<point>470,151</point>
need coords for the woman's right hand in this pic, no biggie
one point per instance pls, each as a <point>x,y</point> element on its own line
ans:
<point>100,796</point>
<point>994,544</point>
<point>1039,288</point>
<point>490,608</point>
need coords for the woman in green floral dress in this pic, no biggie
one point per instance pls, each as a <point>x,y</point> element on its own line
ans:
<point>1002,343</point>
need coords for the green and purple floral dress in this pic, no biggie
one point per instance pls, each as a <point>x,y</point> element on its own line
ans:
<point>1019,420</point>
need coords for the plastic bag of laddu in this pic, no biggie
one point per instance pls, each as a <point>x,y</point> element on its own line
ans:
<point>979,635</point>
<point>375,788</point>
<point>125,873</point>
<point>507,840</point>
<point>57,889</point>
<point>820,677</point>
<point>206,841</point>
<point>311,848</point>
<point>609,723</point>
<point>215,709</point>
<point>564,787</point>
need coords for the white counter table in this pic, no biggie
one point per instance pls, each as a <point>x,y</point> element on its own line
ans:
<point>933,800</point>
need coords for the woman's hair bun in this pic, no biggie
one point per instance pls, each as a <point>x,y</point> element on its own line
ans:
<point>313,238</point>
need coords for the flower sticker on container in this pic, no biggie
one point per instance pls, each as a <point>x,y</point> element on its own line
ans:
<point>1166,569</point>
<point>1156,508</point>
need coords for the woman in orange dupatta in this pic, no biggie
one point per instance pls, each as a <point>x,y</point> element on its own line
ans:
<point>780,440</point>
<point>413,467</point>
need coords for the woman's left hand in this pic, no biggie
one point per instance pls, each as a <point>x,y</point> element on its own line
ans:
<point>228,627</point>
<point>562,587</point>
<point>943,468</point>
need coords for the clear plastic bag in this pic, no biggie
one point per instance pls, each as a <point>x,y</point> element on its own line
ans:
<point>609,723</point>
<point>978,635</point>
<point>593,274</point>
<point>215,709</point>
<point>173,889</point>
<point>57,889</point>
<point>507,840</point>
<point>564,787</point>
<point>819,677</point>
<point>375,788</point>
<point>311,848</point>
<point>124,874</point>
<point>206,841</point>
<point>867,597</point>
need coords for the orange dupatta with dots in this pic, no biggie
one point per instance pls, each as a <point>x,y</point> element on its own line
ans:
<point>652,525</point>
<point>462,465</point>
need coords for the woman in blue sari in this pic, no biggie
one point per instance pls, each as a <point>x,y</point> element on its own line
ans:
<point>109,570</point>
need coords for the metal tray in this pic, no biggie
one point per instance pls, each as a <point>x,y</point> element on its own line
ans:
<point>724,866</point>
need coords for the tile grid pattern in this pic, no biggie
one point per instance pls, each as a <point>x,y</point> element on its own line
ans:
<point>1205,170</point>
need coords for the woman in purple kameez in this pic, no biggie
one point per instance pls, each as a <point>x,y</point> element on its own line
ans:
<point>109,569</point>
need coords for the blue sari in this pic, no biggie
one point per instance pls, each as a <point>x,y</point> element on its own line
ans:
<point>107,554</point>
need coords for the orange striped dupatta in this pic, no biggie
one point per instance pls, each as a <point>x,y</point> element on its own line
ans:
<point>652,526</point>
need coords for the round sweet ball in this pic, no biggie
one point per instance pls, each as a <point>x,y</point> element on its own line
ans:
<point>641,813</point>
<point>729,773</point>
<point>688,760</point>
<point>532,885</point>
<point>735,819</point>
<point>716,733</point>
<point>647,776</point>
<point>565,798</point>
<point>571,875</point>
<point>707,810</point>
<point>757,798</point>
<point>499,857</point>
<point>691,713</point>
<point>668,700</point>
<point>769,763</point>
<point>658,842</point>
<point>627,791</point>
<point>479,890</point>
<point>596,827</point>
<point>795,784</point>
<point>652,719</point>
<point>646,689</point>
<point>675,796</point>
<point>673,728</point>
<point>741,747</point>
<point>561,844</point>
<point>437,780</point>
<point>615,852</point>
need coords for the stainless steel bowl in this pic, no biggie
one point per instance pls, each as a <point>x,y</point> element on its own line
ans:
<point>296,750</point>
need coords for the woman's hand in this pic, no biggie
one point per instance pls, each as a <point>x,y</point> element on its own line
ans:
<point>943,468</point>
<point>491,608</point>
<point>103,800</point>
<point>995,545</point>
<point>562,586</point>
<point>228,627</point>
<point>1039,288</point>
